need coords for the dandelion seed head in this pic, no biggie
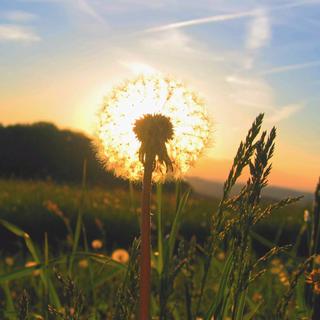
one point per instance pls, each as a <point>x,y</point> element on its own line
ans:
<point>118,145</point>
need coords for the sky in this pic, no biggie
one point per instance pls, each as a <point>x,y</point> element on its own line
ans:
<point>58,58</point>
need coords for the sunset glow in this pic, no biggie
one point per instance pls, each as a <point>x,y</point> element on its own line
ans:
<point>59,58</point>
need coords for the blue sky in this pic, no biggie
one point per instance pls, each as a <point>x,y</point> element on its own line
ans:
<point>58,57</point>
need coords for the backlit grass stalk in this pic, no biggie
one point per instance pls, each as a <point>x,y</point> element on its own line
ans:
<point>234,222</point>
<point>241,160</point>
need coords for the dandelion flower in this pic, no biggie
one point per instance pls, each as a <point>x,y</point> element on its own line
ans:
<point>221,256</point>
<point>257,296</point>
<point>96,244</point>
<point>284,278</point>
<point>9,261</point>
<point>317,259</point>
<point>120,255</point>
<point>83,263</point>
<point>176,107</point>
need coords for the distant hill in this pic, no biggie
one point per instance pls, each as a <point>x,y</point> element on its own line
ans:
<point>214,189</point>
<point>43,151</point>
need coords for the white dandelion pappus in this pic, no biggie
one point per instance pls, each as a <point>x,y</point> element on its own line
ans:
<point>116,143</point>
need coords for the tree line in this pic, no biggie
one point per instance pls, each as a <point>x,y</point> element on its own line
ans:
<point>43,151</point>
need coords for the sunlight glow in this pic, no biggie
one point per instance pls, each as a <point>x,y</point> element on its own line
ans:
<point>117,144</point>
<point>139,68</point>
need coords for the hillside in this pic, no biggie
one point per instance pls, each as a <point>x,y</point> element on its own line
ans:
<point>42,151</point>
<point>214,189</point>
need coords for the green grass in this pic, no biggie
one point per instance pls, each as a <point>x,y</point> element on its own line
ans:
<point>27,204</point>
<point>41,208</point>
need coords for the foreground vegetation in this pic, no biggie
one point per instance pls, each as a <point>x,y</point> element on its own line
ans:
<point>57,261</point>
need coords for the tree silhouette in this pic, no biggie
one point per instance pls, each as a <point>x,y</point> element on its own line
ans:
<point>42,151</point>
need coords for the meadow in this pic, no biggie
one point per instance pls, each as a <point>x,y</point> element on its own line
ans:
<point>40,207</point>
<point>48,213</point>
<point>72,252</point>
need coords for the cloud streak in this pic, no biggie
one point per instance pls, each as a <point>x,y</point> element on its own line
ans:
<point>291,67</point>
<point>283,113</point>
<point>227,17</point>
<point>87,8</point>
<point>194,22</point>
<point>17,33</point>
<point>256,93</point>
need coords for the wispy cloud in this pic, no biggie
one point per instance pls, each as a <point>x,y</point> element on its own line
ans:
<point>250,92</point>
<point>86,7</point>
<point>16,33</point>
<point>291,67</point>
<point>257,94</point>
<point>259,32</point>
<point>283,113</point>
<point>18,16</point>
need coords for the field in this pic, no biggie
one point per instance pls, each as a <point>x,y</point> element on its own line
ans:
<point>113,215</point>
<point>48,212</point>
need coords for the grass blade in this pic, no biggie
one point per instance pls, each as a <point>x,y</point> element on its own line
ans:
<point>12,228</point>
<point>216,309</point>
<point>32,249</point>
<point>10,309</point>
<point>177,222</point>
<point>160,231</point>
<point>79,216</point>
<point>241,305</point>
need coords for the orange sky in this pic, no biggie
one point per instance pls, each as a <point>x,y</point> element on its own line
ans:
<point>293,167</point>
<point>218,169</point>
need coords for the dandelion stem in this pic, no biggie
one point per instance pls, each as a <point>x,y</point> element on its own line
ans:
<point>145,267</point>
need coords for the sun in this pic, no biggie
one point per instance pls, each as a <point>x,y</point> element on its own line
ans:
<point>116,143</point>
